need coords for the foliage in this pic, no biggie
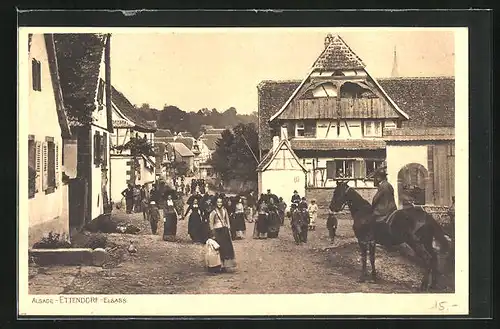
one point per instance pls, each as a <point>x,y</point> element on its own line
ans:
<point>177,120</point>
<point>137,146</point>
<point>233,157</point>
<point>181,168</point>
<point>52,241</point>
<point>79,57</point>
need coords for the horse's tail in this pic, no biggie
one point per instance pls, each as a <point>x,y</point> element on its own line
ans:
<point>439,234</point>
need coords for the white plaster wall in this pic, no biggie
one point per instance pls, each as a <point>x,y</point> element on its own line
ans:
<point>400,155</point>
<point>322,131</point>
<point>282,182</point>
<point>43,122</point>
<point>100,117</point>
<point>118,176</point>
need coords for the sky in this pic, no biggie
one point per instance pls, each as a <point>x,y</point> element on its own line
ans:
<point>215,68</point>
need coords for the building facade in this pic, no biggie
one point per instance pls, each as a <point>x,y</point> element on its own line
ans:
<point>338,117</point>
<point>129,127</point>
<point>85,73</point>
<point>49,131</point>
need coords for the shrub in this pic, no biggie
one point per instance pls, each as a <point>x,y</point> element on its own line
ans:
<point>96,241</point>
<point>52,241</point>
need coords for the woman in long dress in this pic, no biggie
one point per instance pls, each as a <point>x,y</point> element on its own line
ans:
<point>220,232</point>
<point>274,222</point>
<point>170,220</point>
<point>195,222</point>
<point>262,221</point>
<point>238,223</point>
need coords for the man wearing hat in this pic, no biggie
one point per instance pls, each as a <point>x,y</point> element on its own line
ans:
<point>296,197</point>
<point>383,203</point>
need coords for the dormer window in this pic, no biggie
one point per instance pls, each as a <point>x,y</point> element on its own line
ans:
<point>325,90</point>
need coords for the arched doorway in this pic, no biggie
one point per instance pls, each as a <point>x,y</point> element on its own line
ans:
<point>412,180</point>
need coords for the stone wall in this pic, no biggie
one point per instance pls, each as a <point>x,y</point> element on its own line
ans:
<point>323,195</point>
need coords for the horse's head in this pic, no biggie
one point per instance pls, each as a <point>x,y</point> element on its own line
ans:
<point>339,198</point>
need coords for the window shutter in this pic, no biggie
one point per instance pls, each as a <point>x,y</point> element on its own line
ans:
<point>56,164</point>
<point>330,170</point>
<point>38,165</point>
<point>96,148</point>
<point>45,166</point>
<point>291,129</point>
<point>104,149</point>
<point>34,74</point>
<point>359,169</point>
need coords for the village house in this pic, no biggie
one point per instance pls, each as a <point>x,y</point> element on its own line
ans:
<point>337,118</point>
<point>207,143</point>
<point>85,75</point>
<point>129,127</point>
<point>163,136</point>
<point>280,167</point>
<point>181,153</point>
<point>49,132</point>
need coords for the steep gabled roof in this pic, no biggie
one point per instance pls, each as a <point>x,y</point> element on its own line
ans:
<point>210,140</point>
<point>56,86</point>
<point>129,111</point>
<point>419,134</point>
<point>268,159</point>
<point>429,101</point>
<point>188,141</point>
<point>181,149</point>
<point>338,56</point>
<point>79,58</point>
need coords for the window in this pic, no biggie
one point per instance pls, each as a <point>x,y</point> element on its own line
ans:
<point>310,129</point>
<point>299,129</point>
<point>373,128</point>
<point>32,172</point>
<point>372,165</point>
<point>36,75</point>
<point>104,150</point>
<point>338,169</point>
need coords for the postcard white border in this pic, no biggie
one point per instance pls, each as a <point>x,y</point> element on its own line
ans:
<point>273,304</point>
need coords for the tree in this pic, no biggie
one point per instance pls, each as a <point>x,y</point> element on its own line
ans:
<point>234,155</point>
<point>181,168</point>
<point>138,146</point>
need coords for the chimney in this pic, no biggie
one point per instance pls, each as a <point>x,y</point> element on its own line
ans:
<point>328,39</point>
<point>284,132</point>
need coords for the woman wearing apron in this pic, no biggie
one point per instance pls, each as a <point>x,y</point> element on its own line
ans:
<point>220,231</point>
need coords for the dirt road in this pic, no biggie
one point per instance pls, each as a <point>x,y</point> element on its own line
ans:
<point>264,266</point>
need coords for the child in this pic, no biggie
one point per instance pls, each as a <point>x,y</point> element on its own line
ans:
<point>212,256</point>
<point>313,214</point>
<point>154,216</point>
<point>331,225</point>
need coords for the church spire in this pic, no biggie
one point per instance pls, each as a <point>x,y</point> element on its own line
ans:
<point>395,72</point>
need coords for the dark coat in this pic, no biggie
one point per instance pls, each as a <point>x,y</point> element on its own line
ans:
<point>383,202</point>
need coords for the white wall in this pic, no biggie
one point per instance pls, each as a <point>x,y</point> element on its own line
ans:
<point>119,178</point>
<point>282,182</point>
<point>100,116</point>
<point>400,155</point>
<point>45,209</point>
<point>322,130</point>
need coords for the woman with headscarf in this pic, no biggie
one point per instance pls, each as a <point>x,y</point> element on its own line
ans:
<point>195,222</point>
<point>220,232</point>
<point>170,215</point>
<point>238,220</point>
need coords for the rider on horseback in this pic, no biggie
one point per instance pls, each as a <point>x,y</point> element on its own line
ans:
<point>383,203</point>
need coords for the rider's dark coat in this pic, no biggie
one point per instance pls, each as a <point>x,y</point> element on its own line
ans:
<point>383,202</point>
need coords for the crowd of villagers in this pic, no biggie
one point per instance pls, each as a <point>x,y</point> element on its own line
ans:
<point>221,218</point>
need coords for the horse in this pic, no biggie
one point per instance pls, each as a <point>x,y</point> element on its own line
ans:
<point>412,226</point>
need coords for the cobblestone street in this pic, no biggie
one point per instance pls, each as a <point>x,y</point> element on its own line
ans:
<point>264,266</point>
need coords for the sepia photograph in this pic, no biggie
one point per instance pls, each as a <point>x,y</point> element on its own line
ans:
<point>271,165</point>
